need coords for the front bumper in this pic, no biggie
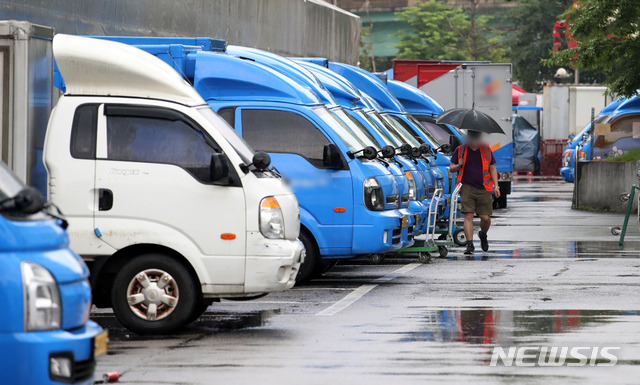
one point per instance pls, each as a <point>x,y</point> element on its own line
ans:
<point>271,264</point>
<point>567,174</point>
<point>25,356</point>
<point>378,231</point>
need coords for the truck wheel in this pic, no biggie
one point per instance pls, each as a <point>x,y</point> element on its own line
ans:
<point>308,267</point>
<point>199,309</point>
<point>500,203</point>
<point>459,238</point>
<point>154,294</point>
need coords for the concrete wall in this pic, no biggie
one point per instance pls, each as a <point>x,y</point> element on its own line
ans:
<point>599,185</point>
<point>287,27</point>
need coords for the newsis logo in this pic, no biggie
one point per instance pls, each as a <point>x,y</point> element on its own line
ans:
<point>555,356</point>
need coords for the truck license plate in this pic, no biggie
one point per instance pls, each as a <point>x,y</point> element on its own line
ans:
<point>405,222</point>
<point>100,343</point>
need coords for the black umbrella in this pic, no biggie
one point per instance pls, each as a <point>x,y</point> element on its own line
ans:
<point>470,119</point>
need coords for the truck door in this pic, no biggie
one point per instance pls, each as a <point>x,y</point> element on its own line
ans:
<point>153,186</point>
<point>296,145</point>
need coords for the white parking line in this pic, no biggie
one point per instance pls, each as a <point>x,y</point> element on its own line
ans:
<point>358,293</point>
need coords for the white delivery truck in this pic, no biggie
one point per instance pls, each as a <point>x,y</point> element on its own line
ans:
<point>165,202</point>
<point>567,108</point>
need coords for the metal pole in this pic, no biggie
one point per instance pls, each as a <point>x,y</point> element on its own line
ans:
<point>593,131</point>
<point>632,195</point>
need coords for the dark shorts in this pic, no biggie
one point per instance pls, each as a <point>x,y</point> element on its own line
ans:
<point>477,201</point>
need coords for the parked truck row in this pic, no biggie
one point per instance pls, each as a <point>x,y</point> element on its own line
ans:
<point>186,171</point>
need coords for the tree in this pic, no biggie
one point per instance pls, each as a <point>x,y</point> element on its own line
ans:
<point>607,34</point>
<point>438,31</point>
<point>533,40</point>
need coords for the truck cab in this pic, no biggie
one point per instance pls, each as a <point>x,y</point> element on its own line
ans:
<point>45,331</point>
<point>355,107</point>
<point>168,205</point>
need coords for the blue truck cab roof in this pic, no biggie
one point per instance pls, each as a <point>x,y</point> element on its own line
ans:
<point>414,100</point>
<point>286,66</point>
<point>369,84</point>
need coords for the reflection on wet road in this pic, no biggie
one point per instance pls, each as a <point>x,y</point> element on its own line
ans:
<point>505,327</point>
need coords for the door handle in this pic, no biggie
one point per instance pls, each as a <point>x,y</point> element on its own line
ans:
<point>105,199</point>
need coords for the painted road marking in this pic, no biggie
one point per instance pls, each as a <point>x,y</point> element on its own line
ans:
<point>358,293</point>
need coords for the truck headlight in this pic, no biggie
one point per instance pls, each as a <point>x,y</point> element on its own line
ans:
<point>413,192</point>
<point>42,305</point>
<point>373,196</point>
<point>566,161</point>
<point>271,218</point>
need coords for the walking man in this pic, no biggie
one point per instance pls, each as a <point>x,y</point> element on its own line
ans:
<point>475,165</point>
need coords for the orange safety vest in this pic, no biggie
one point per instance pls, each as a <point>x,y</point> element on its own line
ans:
<point>486,175</point>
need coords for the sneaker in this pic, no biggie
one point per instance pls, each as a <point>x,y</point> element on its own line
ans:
<point>470,248</point>
<point>484,242</point>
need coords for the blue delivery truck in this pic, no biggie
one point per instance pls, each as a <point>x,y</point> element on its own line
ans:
<point>357,107</point>
<point>350,203</point>
<point>45,332</point>
<point>396,113</point>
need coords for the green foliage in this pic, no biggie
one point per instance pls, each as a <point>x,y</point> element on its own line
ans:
<point>438,31</point>
<point>607,34</point>
<point>629,156</point>
<point>533,40</point>
<point>365,49</point>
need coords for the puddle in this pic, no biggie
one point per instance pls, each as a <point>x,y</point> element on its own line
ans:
<point>207,324</point>
<point>505,327</point>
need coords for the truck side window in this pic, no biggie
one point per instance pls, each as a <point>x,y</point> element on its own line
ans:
<point>228,114</point>
<point>152,140</point>
<point>83,132</point>
<point>283,132</point>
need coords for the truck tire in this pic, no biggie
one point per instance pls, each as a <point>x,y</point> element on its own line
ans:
<point>500,203</point>
<point>308,267</point>
<point>154,294</point>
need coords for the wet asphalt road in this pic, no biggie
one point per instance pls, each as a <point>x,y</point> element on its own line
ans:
<point>554,277</point>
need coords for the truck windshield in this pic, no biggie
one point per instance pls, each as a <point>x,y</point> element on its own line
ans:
<point>350,139</point>
<point>376,126</point>
<point>400,131</point>
<point>441,132</point>
<point>432,139</point>
<point>9,184</point>
<point>357,128</point>
<point>242,148</point>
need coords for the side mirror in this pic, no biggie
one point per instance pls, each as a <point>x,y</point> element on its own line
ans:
<point>445,148</point>
<point>370,153</point>
<point>331,157</point>
<point>29,201</point>
<point>571,137</point>
<point>416,152</point>
<point>454,142</point>
<point>219,168</point>
<point>405,149</point>
<point>388,152</point>
<point>426,149</point>
<point>261,160</point>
